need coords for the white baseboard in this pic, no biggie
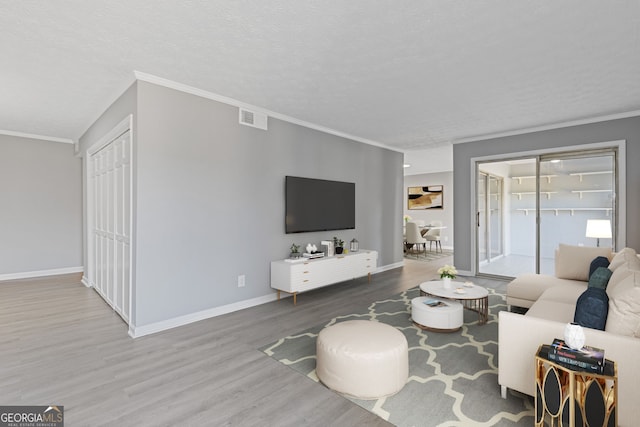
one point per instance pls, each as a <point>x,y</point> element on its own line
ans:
<point>389,267</point>
<point>152,328</point>
<point>40,273</point>
<point>85,281</point>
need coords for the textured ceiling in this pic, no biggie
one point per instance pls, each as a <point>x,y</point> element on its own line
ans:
<point>409,75</point>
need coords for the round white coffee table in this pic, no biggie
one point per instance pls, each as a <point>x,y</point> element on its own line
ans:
<point>474,298</point>
<point>443,317</point>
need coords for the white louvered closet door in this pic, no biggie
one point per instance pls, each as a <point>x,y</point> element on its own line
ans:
<point>111,226</point>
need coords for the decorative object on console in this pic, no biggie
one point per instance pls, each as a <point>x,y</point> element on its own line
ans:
<point>407,218</point>
<point>353,245</point>
<point>338,245</point>
<point>295,251</point>
<point>329,247</point>
<point>574,336</point>
<point>598,228</point>
<point>312,252</point>
<point>447,273</point>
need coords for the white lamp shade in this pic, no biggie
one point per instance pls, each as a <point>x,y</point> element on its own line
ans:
<point>599,228</point>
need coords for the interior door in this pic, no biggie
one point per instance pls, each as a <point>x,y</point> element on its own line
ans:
<point>110,184</point>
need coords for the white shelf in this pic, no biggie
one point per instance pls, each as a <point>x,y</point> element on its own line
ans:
<point>520,178</point>
<point>590,191</point>
<point>570,210</point>
<point>581,174</point>
<point>526,193</point>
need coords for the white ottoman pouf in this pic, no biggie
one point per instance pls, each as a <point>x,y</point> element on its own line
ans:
<point>443,318</point>
<point>362,359</point>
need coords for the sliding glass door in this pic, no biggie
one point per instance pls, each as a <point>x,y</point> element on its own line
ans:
<point>489,219</point>
<point>527,207</point>
<point>575,189</point>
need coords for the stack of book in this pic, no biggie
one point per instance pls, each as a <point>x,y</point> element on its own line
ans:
<point>313,255</point>
<point>588,359</point>
<point>434,303</point>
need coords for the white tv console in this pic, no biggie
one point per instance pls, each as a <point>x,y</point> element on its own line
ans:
<point>302,276</point>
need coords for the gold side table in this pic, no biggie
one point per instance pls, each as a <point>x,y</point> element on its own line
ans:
<point>567,397</point>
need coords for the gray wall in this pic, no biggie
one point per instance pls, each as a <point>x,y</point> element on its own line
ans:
<point>622,129</point>
<point>209,199</point>
<point>41,214</point>
<point>445,215</point>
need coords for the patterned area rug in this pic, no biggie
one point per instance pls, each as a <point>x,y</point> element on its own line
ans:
<point>453,377</point>
<point>429,256</point>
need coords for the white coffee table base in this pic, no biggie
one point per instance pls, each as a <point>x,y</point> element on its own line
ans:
<point>439,319</point>
<point>474,298</point>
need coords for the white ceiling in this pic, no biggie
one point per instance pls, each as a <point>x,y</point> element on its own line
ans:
<point>409,75</point>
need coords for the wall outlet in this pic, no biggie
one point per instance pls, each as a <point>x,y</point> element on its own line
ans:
<point>241,281</point>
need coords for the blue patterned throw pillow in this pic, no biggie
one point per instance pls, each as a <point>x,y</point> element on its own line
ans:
<point>597,262</point>
<point>592,309</point>
<point>600,278</point>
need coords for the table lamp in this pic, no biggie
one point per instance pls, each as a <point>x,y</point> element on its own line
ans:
<point>598,228</point>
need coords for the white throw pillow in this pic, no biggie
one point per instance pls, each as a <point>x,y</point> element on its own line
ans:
<point>627,255</point>
<point>573,262</point>
<point>624,306</point>
<point>618,277</point>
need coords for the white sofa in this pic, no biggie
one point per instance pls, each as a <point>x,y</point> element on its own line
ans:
<point>551,302</point>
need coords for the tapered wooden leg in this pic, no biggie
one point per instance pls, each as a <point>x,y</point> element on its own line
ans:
<point>278,295</point>
<point>295,298</point>
<point>369,276</point>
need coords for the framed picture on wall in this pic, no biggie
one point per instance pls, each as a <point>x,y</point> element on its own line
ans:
<point>426,197</point>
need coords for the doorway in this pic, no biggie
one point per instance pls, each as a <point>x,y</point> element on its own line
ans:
<point>526,207</point>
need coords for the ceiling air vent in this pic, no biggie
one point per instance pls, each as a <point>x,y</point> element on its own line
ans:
<point>253,119</point>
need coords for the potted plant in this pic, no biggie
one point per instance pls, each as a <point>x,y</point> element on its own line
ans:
<point>338,245</point>
<point>447,273</point>
<point>295,251</point>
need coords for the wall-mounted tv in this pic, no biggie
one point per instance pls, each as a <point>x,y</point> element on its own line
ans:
<point>319,205</point>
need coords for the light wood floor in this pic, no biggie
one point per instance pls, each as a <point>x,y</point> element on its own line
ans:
<point>61,344</point>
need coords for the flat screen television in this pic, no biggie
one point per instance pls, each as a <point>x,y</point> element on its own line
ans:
<point>319,205</point>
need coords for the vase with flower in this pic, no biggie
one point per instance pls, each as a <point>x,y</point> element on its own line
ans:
<point>447,273</point>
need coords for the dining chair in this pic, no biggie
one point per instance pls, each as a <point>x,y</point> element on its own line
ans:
<point>433,235</point>
<point>414,238</point>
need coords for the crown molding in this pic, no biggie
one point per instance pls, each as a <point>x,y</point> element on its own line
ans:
<point>34,136</point>
<point>550,127</point>
<point>149,78</point>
